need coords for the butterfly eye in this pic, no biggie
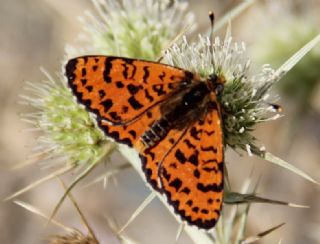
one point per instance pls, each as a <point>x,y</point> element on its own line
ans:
<point>219,89</point>
<point>213,78</point>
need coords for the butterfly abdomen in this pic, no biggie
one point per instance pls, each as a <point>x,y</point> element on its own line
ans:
<point>156,132</point>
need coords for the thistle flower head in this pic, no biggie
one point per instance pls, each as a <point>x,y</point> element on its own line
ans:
<point>245,100</point>
<point>137,29</point>
<point>69,134</point>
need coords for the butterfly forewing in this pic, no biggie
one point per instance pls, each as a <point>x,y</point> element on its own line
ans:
<point>119,90</point>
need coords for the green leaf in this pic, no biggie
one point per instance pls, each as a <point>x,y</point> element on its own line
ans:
<point>238,198</point>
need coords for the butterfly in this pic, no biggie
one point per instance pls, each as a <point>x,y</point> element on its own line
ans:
<point>171,116</point>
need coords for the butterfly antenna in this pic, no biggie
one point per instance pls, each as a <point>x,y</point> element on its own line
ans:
<point>211,17</point>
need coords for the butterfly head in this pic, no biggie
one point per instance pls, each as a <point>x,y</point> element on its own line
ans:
<point>216,83</point>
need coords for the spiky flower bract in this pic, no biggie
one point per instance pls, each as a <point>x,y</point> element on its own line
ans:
<point>245,100</point>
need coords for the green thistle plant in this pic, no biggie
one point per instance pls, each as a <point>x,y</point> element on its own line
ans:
<point>143,31</point>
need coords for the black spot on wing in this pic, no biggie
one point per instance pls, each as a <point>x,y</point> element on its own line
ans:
<point>176,183</point>
<point>195,209</point>
<point>146,74</point>
<point>133,89</point>
<point>133,134</point>
<point>210,187</point>
<point>115,116</point>
<point>124,109</point>
<point>89,88</point>
<point>171,140</point>
<point>107,69</point>
<point>84,81</point>
<point>210,161</point>
<point>150,153</point>
<point>102,93</point>
<point>194,159</point>
<point>180,156</point>
<point>162,75</point>
<point>119,84</point>
<point>149,114</point>
<point>158,88</point>
<point>167,176</point>
<point>186,190</point>
<point>209,149</point>
<point>107,104</point>
<point>209,133</point>
<point>204,211</point>
<point>173,165</point>
<point>133,71</point>
<point>196,173</point>
<point>195,133</point>
<point>189,144</point>
<point>189,202</point>
<point>83,72</point>
<point>135,103</point>
<point>148,96</point>
<point>201,122</point>
<point>125,71</point>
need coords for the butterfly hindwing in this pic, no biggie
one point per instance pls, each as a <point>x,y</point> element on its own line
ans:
<point>191,174</point>
<point>152,157</point>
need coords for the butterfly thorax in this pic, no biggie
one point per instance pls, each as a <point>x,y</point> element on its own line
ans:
<point>188,104</point>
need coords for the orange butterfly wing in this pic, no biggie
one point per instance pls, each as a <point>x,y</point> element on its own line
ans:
<point>124,93</point>
<point>191,173</point>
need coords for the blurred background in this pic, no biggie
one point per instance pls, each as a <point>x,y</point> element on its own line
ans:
<point>34,33</point>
